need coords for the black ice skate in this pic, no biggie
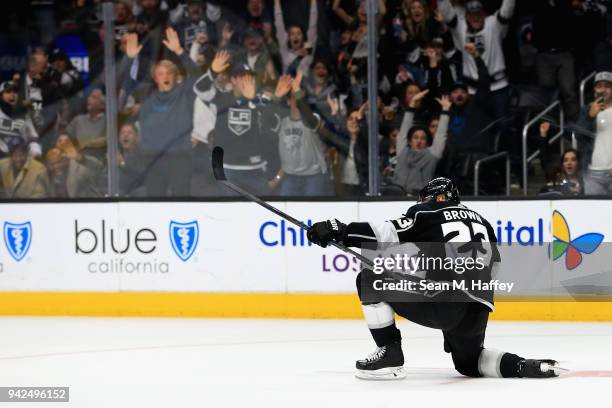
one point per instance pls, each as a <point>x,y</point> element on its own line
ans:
<point>539,368</point>
<point>386,363</point>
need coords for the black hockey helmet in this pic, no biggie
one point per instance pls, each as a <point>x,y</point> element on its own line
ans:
<point>437,186</point>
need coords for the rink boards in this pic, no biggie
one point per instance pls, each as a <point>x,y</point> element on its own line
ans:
<point>235,259</point>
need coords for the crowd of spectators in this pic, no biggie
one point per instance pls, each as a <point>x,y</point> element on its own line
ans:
<point>282,86</point>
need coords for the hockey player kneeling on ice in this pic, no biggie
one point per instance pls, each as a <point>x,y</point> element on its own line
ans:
<point>437,218</point>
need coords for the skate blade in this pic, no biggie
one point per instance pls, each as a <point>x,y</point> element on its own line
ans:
<point>555,368</point>
<point>383,374</point>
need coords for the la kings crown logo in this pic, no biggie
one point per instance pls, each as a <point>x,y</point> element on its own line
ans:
<point>239,121</point>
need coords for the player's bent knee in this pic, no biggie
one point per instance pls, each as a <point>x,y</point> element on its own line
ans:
<point>467,366</point>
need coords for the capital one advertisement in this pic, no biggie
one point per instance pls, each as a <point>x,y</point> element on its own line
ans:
<point>548,247</point>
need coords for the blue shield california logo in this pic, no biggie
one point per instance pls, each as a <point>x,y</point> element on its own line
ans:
<point>184,238</point>
<point>18,238</point>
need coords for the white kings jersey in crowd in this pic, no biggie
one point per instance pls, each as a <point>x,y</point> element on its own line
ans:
<point>14,130</point>
<point>439,229</point>
<point>488,42</point>
<point>602,151</point>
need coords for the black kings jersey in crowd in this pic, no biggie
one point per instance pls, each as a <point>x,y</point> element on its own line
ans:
<point>237,127</point>
<point>443,230</point>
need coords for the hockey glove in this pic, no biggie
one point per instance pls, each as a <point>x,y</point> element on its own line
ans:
<point>322,233</point>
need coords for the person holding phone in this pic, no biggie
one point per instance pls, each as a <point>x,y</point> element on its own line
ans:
<point>595,129</point>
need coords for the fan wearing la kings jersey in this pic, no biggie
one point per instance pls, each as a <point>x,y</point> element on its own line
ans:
<point>237,127</point>
<point>437,221</point>
<point>15,123</point>
<point>486,33</point>
<point>478,35</point>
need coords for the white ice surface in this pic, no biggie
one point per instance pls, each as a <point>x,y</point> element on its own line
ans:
<point>287,363</point>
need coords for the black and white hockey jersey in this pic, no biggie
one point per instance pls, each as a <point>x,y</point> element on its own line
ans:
<point>237,127</point>
<point>445,230</point>
<point>15,127</point>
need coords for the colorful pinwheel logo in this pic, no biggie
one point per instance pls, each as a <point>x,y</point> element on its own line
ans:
<point>572,248</point>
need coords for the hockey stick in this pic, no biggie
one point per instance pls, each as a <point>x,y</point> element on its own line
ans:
<point>219,173</point>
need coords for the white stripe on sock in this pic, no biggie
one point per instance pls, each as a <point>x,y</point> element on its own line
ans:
<point>489,361</point>
<point>379,315</point>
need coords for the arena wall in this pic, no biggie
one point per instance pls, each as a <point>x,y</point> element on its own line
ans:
<point>234,259</point>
